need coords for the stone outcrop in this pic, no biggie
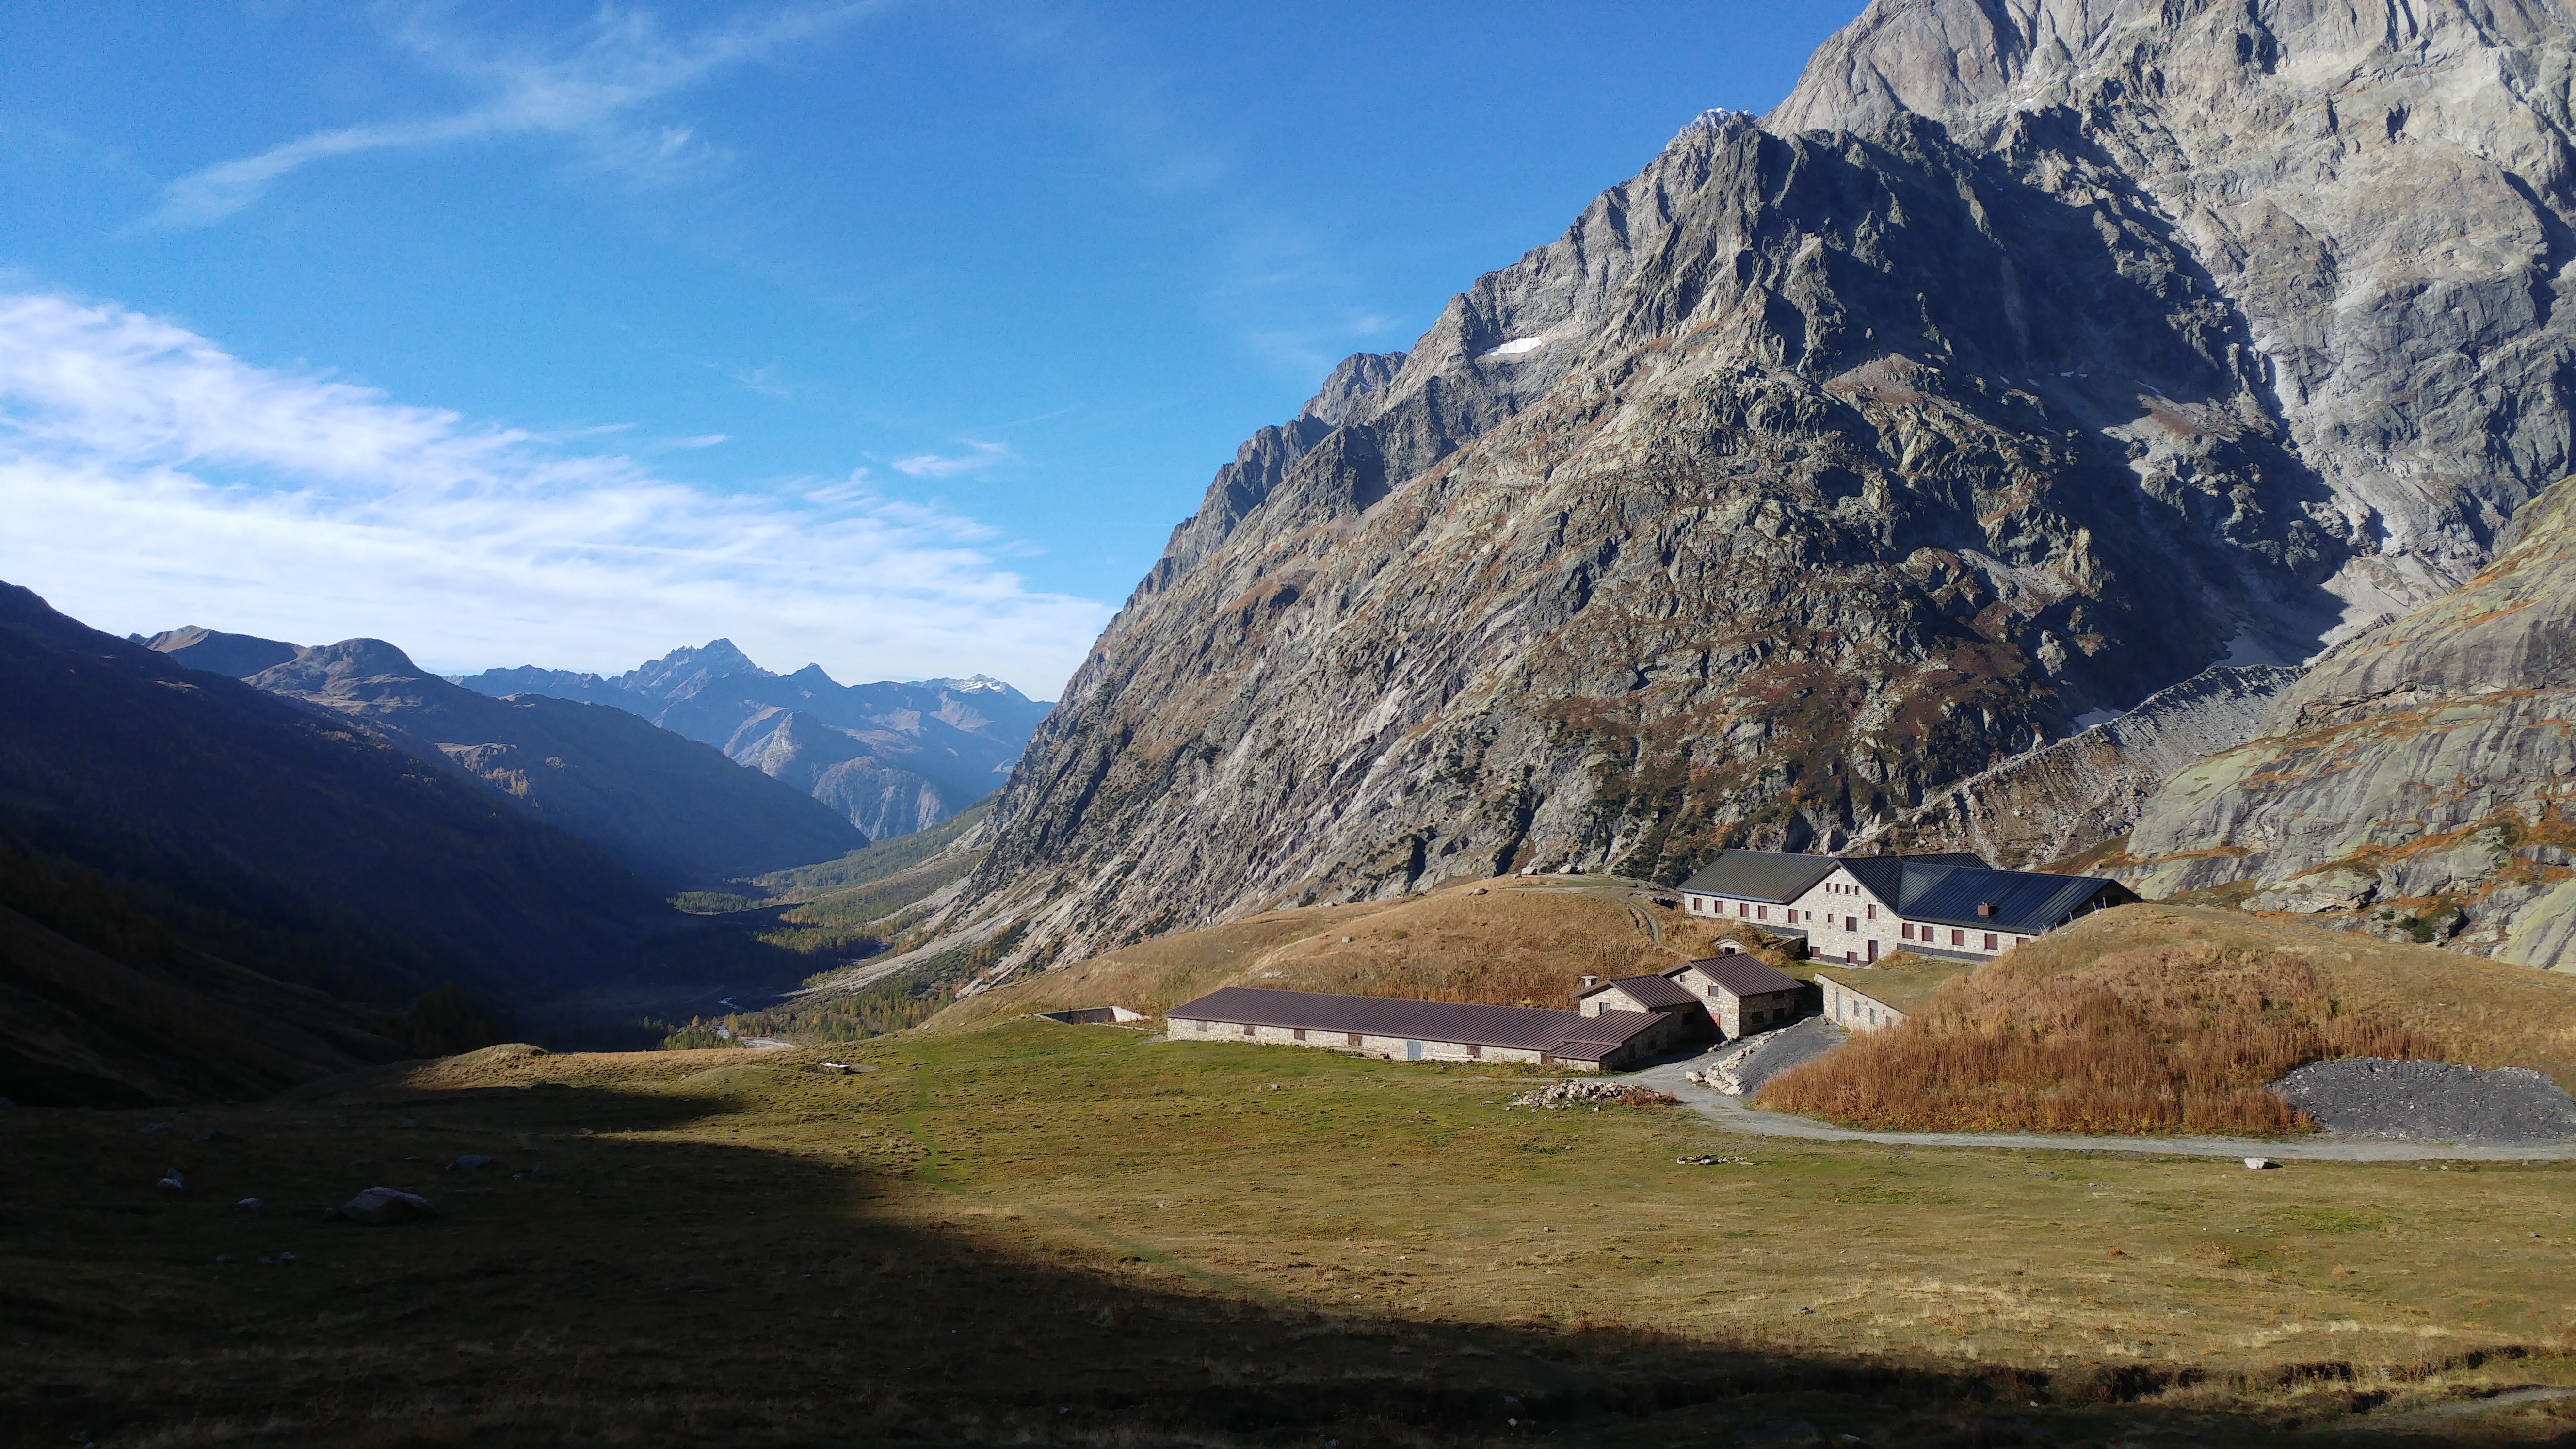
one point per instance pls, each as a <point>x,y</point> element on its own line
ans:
<point>2033,357</point>
<point>2071,795</point>
<point>2417,782</point>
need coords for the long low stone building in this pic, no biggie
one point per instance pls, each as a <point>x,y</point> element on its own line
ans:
<point>1416,1031</point>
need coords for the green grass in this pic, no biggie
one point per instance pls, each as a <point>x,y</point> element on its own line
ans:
<point>1034,1233</point>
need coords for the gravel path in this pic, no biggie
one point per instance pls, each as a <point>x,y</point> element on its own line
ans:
<point>2432,1102</point>
<point>1731,1113</point>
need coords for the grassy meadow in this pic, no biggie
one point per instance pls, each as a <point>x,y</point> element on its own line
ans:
<point>1011,1231</point>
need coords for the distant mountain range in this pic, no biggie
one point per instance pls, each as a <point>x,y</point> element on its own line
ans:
<point>892,758</point>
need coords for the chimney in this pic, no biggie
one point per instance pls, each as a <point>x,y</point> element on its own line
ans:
<point>1987,910</point>
<point>1590,981</point>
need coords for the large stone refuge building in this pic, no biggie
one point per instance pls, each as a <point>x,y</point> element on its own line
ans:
<point>1858,908</point>
<point>1735,994</point>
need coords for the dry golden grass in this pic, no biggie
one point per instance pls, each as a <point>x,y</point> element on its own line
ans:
<point>1525,943</point>
<point>2484,1013</point>
<point>2157,1039</point>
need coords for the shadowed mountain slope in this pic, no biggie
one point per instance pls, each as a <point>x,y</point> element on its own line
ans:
<point>286,842</point>
<point>668,808</point>
<point>1836,458</point>
<point>891,758</point>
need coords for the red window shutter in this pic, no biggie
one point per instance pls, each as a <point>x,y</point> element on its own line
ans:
<point>1990,940</point>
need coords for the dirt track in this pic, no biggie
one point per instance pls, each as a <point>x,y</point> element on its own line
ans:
<point>1732,1113</point>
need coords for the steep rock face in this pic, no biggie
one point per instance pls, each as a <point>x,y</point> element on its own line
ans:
<point>2072,795</point>
<point>891,758</point>
<point>670,809</point>
<point>1815,469</point>
<point>2380,189</point>
<point>2418,780</point>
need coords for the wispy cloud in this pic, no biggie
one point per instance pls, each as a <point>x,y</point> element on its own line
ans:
<point>977,458</point>
<point>153,479</point>
<point>592,90</point>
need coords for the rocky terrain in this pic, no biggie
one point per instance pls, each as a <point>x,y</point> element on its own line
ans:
<point>2416,782</point>
<point>891,758</point>
<point>2031,358</point>
<point>2068,796</point>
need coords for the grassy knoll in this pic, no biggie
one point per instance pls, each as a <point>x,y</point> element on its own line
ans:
<point>1024,1232</point>
<point>1523,943</point>
<point>2157,1018</point>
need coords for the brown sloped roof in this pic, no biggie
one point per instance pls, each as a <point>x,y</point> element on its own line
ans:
<point>1650,992</point>
<point>1558,1033</point>
<point>1744,975</point>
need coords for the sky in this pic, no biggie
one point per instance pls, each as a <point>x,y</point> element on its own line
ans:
<point>889,336</point>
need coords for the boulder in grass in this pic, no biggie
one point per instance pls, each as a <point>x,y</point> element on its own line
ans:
<point>384,1207</point>
<point>470,1161</point>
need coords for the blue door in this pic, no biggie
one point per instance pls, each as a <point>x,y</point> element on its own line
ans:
<point>1413,1051</point>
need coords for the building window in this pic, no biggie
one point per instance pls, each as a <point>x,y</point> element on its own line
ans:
<point>1475,1051</point>
<point>1850,924</point>
<point>1247,1028</point>
<point>1990,940</point>
<point>1762,913</point>
<point>1906,930</point>
<point>1870,911</point>
<point>1958,937</point>
<point>1350,1038</point>
<point>1299,1034</point>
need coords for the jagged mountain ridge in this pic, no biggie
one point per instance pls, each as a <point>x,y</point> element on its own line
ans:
<point>892,758</point>
<point>670,809</point>
<point>1842,456</point>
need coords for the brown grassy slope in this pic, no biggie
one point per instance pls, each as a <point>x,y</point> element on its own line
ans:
<point>2160,1018</point>
<point>1522,944</point>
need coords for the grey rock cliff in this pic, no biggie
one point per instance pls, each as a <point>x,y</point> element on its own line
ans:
<point>2072,795</point>
<point>2029,360</point>
<point>2418,781</point>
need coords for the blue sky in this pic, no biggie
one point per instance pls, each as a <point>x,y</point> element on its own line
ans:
<point>891,336</point>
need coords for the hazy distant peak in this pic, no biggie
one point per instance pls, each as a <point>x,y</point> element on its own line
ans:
<point>348,659</point>
<point>239,655</point>
<point>717,659</point>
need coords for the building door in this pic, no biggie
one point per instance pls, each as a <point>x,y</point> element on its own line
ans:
<point>1873,950</point>
<point>1413,1051</point>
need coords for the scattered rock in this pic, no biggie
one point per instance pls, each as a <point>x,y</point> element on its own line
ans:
<point>173,1181</point>
<point>250,1204</point>
<point>160,1127</point>
<point>1741,1069</point>
<point>384,1207</point>
<point>1570,1094</point>
<point>209,1135</point>
<point>470,1161</point>
<point>2258,1164</point>
<point>1478,891</point>
<point>2431,1102</point>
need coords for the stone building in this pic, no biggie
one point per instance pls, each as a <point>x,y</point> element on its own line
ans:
<point>1855,909</point>
<point>1415,1031</point>
<point>1723,996</point>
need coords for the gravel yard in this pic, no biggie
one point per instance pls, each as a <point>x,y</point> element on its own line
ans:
<point>1741,1068</point>
<point>2431,1102</point>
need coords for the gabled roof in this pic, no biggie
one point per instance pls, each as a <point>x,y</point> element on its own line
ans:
<point>2025,902</point>
<point>1651,992</point>
<point>1743,975</point>
<point>1557,1033</point>
<point>1760,875</point>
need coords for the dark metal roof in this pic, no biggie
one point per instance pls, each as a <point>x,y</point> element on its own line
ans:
<point>1760,875</point>
<point>1558,1033</point>
<point>1650,992</point>
<point>1744,975</point>
<point>2025,902</point>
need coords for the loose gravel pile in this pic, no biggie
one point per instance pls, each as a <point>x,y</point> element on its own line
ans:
<point>1577,1094</point>
<point>2432,1102</point>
